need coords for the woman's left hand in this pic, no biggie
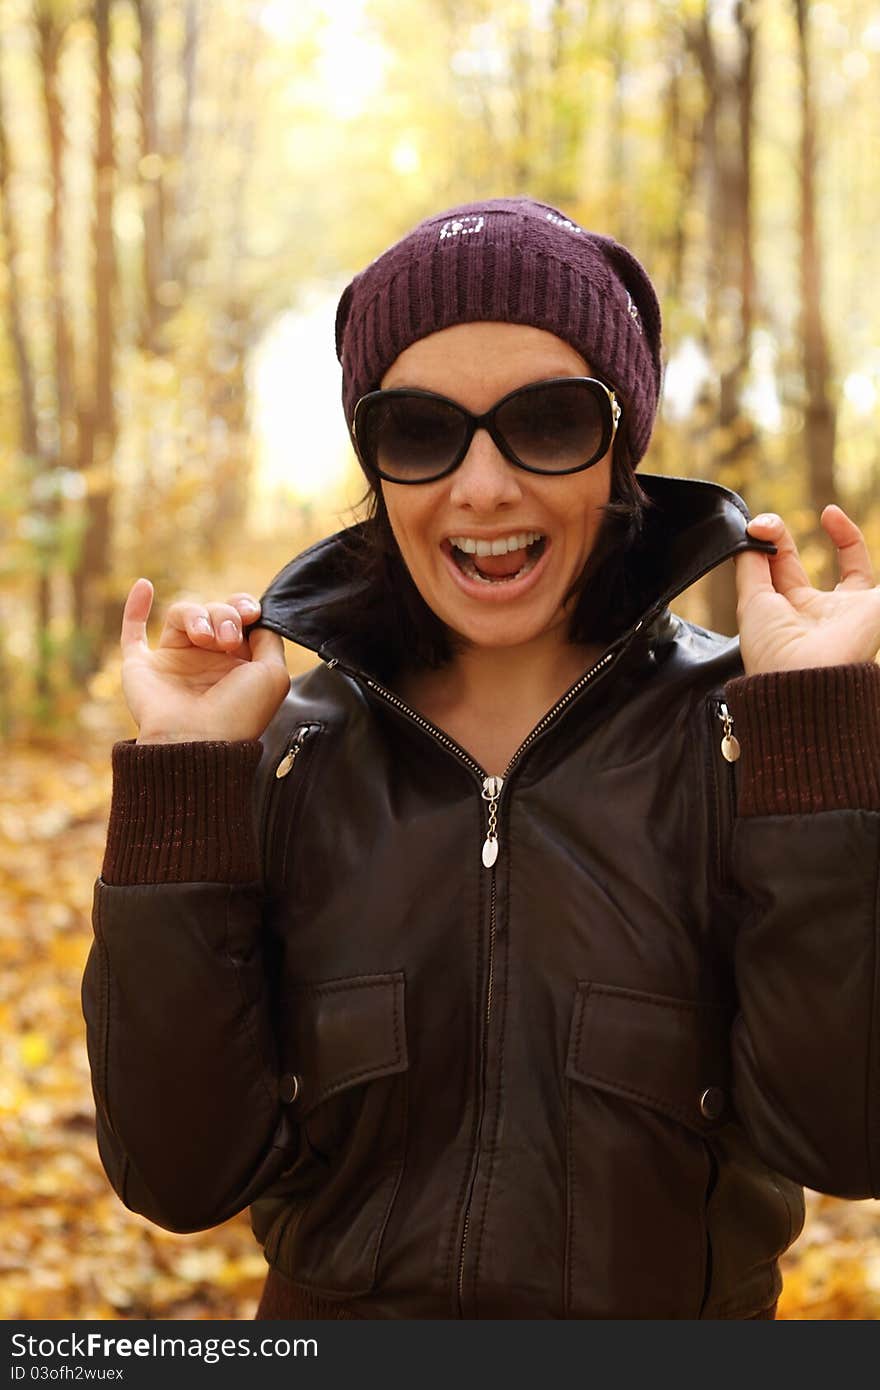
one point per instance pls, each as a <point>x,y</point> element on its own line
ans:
<point>787,625</point>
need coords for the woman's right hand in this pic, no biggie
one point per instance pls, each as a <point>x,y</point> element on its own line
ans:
<point>206,680</point>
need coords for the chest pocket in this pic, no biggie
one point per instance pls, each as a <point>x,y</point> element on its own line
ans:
<point>647,1078</point>
<point>345,1059</point>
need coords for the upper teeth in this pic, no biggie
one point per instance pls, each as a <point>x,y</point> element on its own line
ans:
<point>498,547</point>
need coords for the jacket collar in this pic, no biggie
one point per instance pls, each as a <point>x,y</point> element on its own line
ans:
<point>692,527</point>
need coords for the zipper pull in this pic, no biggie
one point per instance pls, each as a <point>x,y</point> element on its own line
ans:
<point>290,756</point>
<point>491,792</point>
<point>730,749</point>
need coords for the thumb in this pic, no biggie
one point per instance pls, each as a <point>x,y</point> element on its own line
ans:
<point>752,575</point>
<point>135,615</point>
<point>266,647</point>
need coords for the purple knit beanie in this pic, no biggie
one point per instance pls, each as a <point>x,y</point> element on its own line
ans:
<point>509,260</point>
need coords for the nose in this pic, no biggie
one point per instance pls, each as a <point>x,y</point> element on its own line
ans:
<point>485,480</point>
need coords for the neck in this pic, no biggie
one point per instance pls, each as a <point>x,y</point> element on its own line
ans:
<point>498,680</point>
<point>490,698</point>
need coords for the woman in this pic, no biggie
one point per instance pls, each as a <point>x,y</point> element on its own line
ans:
<point>521,993</point>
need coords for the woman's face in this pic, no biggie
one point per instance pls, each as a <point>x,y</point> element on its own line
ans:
<point>489,499</point>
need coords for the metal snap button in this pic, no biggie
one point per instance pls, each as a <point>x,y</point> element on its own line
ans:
<point>288,1087</point>
<point>712,1103</point>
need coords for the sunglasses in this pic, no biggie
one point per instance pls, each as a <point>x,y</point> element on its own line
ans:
<point>561,425</point>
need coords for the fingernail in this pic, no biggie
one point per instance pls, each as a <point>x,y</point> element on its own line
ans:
<point>765,519</point>
<point>202,625</point>
<point>228,631</point>
<point>250,604</point>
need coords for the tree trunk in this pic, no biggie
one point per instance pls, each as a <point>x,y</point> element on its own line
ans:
<point>734,210</point>
<point>64,453</point>
<point>50,35</point>
<point>821,420</point>
<point>178,189</point>
<point>618,174</point>
<point>28,428</point>
<point>93,615</point>
<point>152,177</point>
<point>229,390</point>
<point>12,243</point>
<point>522,71</point>
<point>569,107</point>
<point>682,152</point>
<point>746,11</point>
<point>729,84</point>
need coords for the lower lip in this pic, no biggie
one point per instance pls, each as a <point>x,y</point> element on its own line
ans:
<point>503,592</point>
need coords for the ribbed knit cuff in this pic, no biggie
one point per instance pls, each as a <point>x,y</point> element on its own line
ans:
<point>810,739</point>
<point>181,813</point>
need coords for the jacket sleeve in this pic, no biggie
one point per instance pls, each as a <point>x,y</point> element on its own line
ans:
<point>181,1047</point>
<point>805,858</point>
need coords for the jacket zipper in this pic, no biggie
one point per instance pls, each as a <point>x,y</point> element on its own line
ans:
<point>483,1064</point>
<point>292,752</point>
<point>490,790</point>
<point>491,787</point>
<point>283,768</point>
<point>730,751</point>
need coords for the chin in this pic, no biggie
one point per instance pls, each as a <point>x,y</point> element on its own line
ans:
<point>499,633</point>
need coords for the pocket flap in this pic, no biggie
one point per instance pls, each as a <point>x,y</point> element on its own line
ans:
<point>669,1054</point>
<point>341,1033</point>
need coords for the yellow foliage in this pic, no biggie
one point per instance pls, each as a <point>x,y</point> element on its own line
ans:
<point>33,1049</point>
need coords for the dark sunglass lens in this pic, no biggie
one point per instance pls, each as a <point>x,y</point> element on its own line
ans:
<point>556,427</point>
<point>410,438</point>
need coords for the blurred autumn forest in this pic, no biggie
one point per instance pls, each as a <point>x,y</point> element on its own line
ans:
<point>184,188</point>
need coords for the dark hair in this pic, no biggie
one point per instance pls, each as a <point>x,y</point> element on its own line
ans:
<point>391,627</point>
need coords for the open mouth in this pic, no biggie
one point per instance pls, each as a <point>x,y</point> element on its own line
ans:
<point>500,561</point>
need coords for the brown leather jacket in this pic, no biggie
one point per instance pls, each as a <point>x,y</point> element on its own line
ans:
<point>583,1080</point>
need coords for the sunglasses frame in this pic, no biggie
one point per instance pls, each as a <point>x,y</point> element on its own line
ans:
<point>486,421</point>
